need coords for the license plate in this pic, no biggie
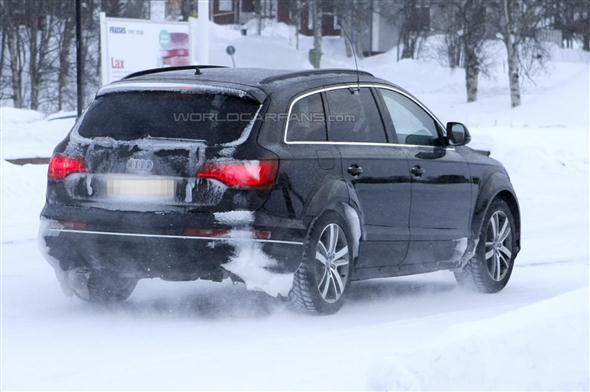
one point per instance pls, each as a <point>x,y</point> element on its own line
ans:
<point>136,187</point>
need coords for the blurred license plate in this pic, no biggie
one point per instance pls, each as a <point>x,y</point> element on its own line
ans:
<point>140,187</point>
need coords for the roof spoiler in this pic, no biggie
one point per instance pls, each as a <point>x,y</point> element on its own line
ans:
<point>487,153</point>
<point>290,75</point>
<point>196,68</point>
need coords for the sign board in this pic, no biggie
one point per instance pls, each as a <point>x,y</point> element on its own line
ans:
<point>131,45</point>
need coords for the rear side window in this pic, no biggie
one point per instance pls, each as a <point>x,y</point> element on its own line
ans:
<point>307,121</point>
<point>354,117</point>
<point>213,118</point>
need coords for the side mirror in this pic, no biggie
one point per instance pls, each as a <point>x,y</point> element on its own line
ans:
<point>457,134</point>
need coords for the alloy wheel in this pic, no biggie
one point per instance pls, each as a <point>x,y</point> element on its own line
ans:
<point>498,246</point>
<point>332,263</point>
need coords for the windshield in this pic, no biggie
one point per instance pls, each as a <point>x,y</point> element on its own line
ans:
<point>214,118</point>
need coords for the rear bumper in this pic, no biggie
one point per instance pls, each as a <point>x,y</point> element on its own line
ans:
<point>145,245</point>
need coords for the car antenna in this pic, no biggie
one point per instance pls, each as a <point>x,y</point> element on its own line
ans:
<point>358,82</point>
<point>197,70</point>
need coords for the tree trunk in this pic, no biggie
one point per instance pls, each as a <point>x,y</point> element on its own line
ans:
<point>513,76</point>
<point>90,66</point>
<point>33,66</point>
<point>2,53</point>
<point>40,35</point>
<point>41,23</point>
<point>258,12</point>
<point>453,40</point>
<point>15,51</point>
<point>409,30</point>
<point>317,25</point>
<point>316,11</point>
<point>297,21</point>
<point>64,62</point>
<point>471,75</point>
<point>409,45</point>
<point>453,53</point>
<point>512,51</point>
<point>586,35</point>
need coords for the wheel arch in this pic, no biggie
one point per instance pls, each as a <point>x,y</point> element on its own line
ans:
<point>334,196</point>
<point>497,186</point>
<point>510,199</point>
<point>328,196</point>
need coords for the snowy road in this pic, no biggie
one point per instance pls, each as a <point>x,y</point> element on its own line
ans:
<point>219,336</point>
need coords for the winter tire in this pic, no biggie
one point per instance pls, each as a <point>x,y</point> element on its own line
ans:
<point>321,281</point>
<point>490,268</point>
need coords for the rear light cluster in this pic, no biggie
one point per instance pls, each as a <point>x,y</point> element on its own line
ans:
<point>61,166</point>
<point>73,225</point>
<point>242,174</point>
<point>235,174</point>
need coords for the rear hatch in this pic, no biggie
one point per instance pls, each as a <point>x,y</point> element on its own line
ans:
<point>162,151</point>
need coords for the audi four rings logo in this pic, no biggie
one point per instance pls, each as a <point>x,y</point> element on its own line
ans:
<point>140,165</point>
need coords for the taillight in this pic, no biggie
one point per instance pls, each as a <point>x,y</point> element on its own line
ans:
<point>73,225</point>
<point>242,174</point>
<point>61,166</point>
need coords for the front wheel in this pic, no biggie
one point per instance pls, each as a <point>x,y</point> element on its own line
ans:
<point>490,268</point>
<point>320,283</point>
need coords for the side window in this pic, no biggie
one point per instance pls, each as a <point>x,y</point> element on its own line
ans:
<point>307,121</point>
<point>354,117</point>
<point>412,124</point>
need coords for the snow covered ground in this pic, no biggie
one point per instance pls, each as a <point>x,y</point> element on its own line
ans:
<point>416,332</point>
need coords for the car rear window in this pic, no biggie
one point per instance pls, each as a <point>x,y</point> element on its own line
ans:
<point>307,121</point>
<point>214,118</point>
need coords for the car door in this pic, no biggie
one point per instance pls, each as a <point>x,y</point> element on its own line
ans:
<point>440,183</point>
<point>378,174</point>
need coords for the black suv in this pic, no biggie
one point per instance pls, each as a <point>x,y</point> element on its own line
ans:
<point>296,183</point>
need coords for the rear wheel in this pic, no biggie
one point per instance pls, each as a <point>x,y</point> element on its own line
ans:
<point>490,268</point>
<point>104,287</point>
<point>321,281</point>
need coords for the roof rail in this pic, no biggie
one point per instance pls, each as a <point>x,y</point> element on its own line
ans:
<point>309,72</point>
<point>196,68</point>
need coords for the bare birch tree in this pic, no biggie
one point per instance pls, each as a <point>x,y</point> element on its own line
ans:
<point>473,15</point>
<point>509,32</point>
<point>16,52</point>
<point>3,39</point>
<point>355,17</point>
<point>519,23</point>
<point>65,39</point>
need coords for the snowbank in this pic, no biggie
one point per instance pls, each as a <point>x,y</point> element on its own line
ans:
<point>527,349</point>
<point>25,134</point>
<point>9,116</point>
<point>22,197</point>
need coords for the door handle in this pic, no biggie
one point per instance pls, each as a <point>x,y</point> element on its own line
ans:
<point>417,171</point>
<point>355,170</point>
